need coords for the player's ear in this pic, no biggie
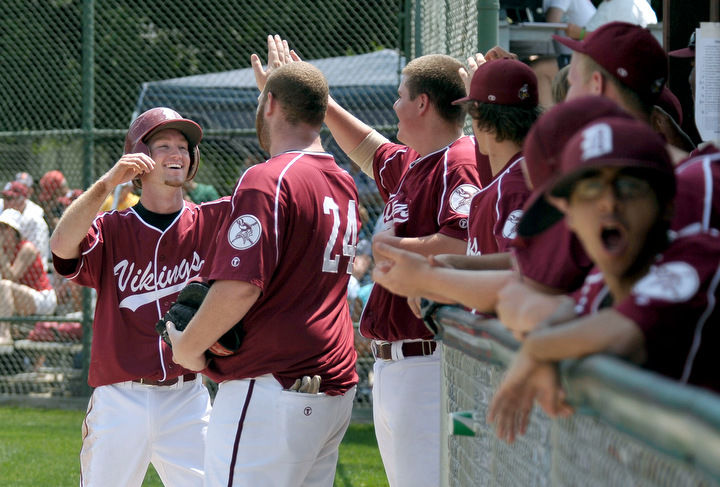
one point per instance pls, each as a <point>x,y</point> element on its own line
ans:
<point>270,104</point>
<point>422,102</point>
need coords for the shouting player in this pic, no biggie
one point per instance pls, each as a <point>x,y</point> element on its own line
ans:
<point>138,259</point>
<point>282,265</point>
<point>651,297</point>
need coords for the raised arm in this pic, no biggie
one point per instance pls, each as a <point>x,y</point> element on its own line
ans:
<point>75,222</point>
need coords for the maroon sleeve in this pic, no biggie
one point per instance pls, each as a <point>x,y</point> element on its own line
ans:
<point>555,258</point>
<point>389,164</point>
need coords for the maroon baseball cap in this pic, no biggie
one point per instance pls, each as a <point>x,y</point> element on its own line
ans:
<point>15,189</point>
<point>670,103</point>
<point>627,51</point>
<point>685,52</point>
<point>613,141</point>
<point>543,147</point>
<point>503,82</point>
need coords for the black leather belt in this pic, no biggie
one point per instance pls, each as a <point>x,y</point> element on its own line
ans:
<point>168,382</point>
<point>383,350</point>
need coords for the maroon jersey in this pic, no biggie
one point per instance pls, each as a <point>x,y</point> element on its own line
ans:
<point>292,233</point>
<point>555,258</point>
<point>423,196</point>
<point>138,271</point>
<point>674,305</point>
<point>496,210</point>
<point>698,191</point>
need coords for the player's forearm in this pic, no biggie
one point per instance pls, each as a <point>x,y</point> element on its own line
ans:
<point>605,332</point>
<point>226,303</point>
<point>436,243</point>
<point>474,289</point>
<point>488,262</point>
<point>76,220</point>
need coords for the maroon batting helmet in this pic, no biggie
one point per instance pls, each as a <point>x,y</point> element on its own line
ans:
<point>161,118</point>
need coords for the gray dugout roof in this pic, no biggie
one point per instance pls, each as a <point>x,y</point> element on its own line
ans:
<point>365,84</point>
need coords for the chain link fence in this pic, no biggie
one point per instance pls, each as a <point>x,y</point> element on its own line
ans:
<point>75,73</point>
<point>631,427</point>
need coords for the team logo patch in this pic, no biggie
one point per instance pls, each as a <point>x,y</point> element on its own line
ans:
<point>235,262</point>
<point>674,282</point>
<point>461,197</point>
<point>511,224</point>
<point>597,141</point>
<point>524,92</point>
<point>244,232</point>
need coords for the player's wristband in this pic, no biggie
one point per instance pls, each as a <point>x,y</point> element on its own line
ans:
<point>582,33</point>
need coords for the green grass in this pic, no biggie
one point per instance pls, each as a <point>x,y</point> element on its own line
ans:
<point>40,447</point>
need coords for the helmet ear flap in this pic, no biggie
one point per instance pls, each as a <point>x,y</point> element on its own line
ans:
<point>194,163</point>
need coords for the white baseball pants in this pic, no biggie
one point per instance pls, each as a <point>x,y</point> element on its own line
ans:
<point>130,425</point>
<point>260,434</point>
<point>406,413</point>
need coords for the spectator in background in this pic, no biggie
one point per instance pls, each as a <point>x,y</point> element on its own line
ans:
<point>360,282</point>
<point>638,12</point>
<point>55,196</point>
<point>199,192</point>
<point>577,12</point>
<point>125,196</point>
<point>24,285</point>
<point>32,223</point>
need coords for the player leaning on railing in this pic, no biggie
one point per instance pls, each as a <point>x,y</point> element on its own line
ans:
<point>651,297</point>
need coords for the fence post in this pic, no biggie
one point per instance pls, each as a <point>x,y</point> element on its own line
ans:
<point>487,28</point>
<point>418,51</point>
<point>88,108</point>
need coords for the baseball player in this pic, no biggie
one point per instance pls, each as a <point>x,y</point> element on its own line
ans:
<point>284,258</point>
<point>654,298</point>
<point>554,257</point>
<point>503,103</point>
<point>138,260</point>
<point>427,183</point>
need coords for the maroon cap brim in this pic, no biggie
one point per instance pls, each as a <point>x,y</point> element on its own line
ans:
<point>462,100</point>
<point>571,43</point>
<point>685,52</point>
<point>539,215</point>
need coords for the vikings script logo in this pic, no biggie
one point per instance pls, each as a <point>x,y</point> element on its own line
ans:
<point>395,212</point>
<point>461,197</point>
<point>244,232</point>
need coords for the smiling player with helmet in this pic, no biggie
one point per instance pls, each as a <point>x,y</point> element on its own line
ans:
<point>138,260</point>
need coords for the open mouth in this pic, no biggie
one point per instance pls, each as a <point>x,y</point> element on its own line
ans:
<point>174,166</point>
<point>614,239</point>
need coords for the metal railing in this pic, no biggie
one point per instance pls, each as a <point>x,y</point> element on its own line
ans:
<point>632,427</point>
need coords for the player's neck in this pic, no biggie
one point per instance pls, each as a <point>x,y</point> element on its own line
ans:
<point>432,140</point>
<point>295,138</point>
<point>500,153</point>
<point>162,200</point>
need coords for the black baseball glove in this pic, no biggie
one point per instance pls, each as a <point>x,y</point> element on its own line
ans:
<point>182,311</point>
